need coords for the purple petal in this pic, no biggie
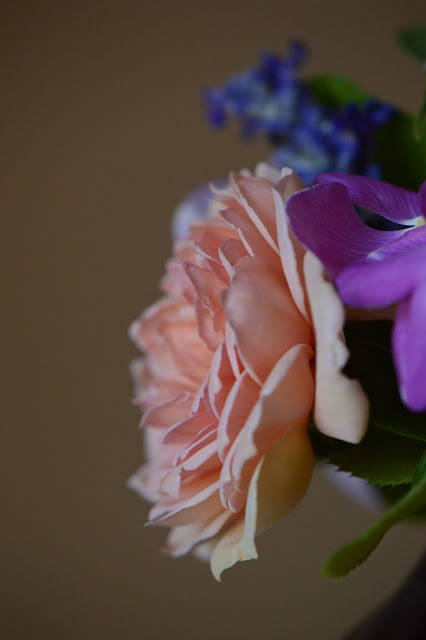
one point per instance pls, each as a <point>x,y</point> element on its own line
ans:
<point>391,202</point>
<point>409,349</point>
<point>378,282</point>
<point>422,199</point>
<point>410,239</point>
<point>325,221</point>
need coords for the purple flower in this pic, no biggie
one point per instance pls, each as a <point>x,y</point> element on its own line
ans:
<point>372,268</point>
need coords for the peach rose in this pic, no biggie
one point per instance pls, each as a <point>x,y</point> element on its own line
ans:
<point>246,341</point>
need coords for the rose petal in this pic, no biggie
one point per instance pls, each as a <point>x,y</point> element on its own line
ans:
<point>231,348</point>
<point>182,539</point>
<point>292,254</point>
<point>204,550</point>
<point>284,478</point>
<point>176,283</point>
<point>201,400</point>
<point>279,482</point>
<point>210,314</point>
<point>208,247</point>
<point>289,184</point>
<point>230,252</point>
<point>231,497</point>
<point>203,438</point>
<point>239,403</point>
<point>169,413</point>
<point>266,171</point>
<point>167,331</point>
<point>147,481</point>
<point>285,399</point>
<point>234,546</point>
<point>184,432</point>
<point>196,450</point>
<point>201,502</point>
<point>253,241</point>
<point>221,379</point>
<point>262,312</point>
<point>152,388</point>
<point>341,407</point>
<point>256,195</point>
<point>202,460</point>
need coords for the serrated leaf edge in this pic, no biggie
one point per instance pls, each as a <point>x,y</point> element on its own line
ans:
<point>337,565</point>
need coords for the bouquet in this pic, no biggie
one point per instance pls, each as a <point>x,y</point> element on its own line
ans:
<point>291,327</point>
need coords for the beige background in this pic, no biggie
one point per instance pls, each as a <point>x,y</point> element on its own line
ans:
<point>102,138</point>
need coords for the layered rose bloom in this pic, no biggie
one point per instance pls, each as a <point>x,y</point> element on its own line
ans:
<point>245,343</point>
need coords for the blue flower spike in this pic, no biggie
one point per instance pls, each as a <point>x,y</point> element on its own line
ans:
<point>271,100</point>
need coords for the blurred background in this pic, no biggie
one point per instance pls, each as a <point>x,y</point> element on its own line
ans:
<point>102,137</point>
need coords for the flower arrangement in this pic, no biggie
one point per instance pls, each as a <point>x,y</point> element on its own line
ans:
<point>291,326</point>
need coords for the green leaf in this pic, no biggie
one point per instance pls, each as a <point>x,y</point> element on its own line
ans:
<point>381,458</point>
<point>409,168</point>
<point>413,41</point>
<point>335,91</point>
<point>351,555</point>
<point>420,472</point>
<point>391,494</point>
<point>371,363</point>
<point>401,156</point>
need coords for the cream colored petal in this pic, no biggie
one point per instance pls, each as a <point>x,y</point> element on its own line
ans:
<point>220,380</point>
<point>341,407</point>
<point>233,547</point>
<point>284,477</point>
<point>236,410</point>
<point>279,482</point>
<point>204,550</point>
<point>264,170</point>
<point>292,254</point>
